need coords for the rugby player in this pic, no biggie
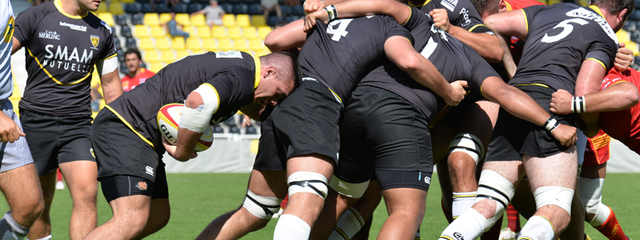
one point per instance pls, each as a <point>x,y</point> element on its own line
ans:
<point>63,42</point>
<point>334,58</point>
<point>617,103</point>
<point>593,39</point>
<point>213,87</point>
<point>137,74</point>
<point>18,177</point>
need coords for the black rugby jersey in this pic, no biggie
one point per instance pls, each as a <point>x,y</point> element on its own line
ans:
<point>453,59</point>
<point>461,13</point>
<point>560,37</point>
<point>341,53</point>
<point>233,74</point>
<point>61,51</point>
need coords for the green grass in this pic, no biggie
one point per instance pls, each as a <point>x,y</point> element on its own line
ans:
<point>196,199</point>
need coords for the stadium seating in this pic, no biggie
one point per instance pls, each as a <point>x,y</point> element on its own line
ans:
<point>130,43</point>
<point>183,19</point>
<point>181,53</point>
<point>167,56</point>
<point>107,18</point>
<point>258,20</point>
<point>234,32</point>
<point>255,9</point>
<point>242,20</point>
<point>132,8</point>
<point>146,44</point>
<point>209,44</point>
<point>198,20</point>
<point>116,8</point>
<point>219,32</point>
<point>140,31</point>
<point>162,44</point>
<point>151,56</point>
<point>224,44</point>
<point>204,32</point>
<point>158,32</point>
<point>194,44</point>
<point>193,7</point>
<point>120,19</point>
<point>263,31</point>
<point>151,19</point>
<point>103,8</point>
<point>178,44</point>
<point>250,32</point>
<point>229,20</point>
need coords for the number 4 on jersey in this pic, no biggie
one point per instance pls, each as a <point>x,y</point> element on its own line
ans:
<point>338,28</point>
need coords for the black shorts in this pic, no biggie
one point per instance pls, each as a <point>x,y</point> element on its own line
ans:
<point>57,139</point>
<point>122,186</point>
<point>120,151</point>
<point>514,137</point>
<point>381,131</point>
<point>306,122</point>
<point>397,179</point>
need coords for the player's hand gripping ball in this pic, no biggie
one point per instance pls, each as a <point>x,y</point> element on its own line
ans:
<point>168,119</point>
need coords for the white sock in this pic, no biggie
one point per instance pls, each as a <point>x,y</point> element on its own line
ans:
<point>537,228</point>
<point>348,225</point>
<point>45,238</point>
<point>462,201</point>
<point>10,229</point>
<point>290,226</point>
<point>467,226</point>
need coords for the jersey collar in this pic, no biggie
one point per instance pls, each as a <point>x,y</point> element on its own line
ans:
<point>597,9</point>
<point>417,6</point>
<point>256,60</point>
<point>58,4</point>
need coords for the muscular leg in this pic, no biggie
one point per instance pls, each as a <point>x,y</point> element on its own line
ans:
<point>406,208</point>
<point>130,215</point>
<point>82,180</point>
<point>22,191</point>
<point>158,217</point>
<point>42,226</point>
<point>239,222</point>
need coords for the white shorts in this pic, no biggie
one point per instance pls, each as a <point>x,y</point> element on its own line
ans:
<point>16,154</point>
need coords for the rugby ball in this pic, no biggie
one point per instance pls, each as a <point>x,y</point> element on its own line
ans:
<point>168,120</point>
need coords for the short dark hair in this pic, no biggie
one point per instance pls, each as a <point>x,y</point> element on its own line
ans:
<point>133,50</point>
<point>615,6</point>
<point>296,72</point>
<point>482,5</point>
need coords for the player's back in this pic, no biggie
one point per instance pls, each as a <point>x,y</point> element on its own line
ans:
<point>560,38</point>
<point>341,53</point>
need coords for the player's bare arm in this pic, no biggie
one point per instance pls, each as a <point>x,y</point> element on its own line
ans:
<point>487,45</point>
<point>511,23</point>
<point>400,51</point>
<point>16,46</point>
<point>624,57</point>
<point>9,130</point>
<point>313,5</point>
<point>588,81</point>
<point>507,59</point>
<point>619,96</point>
<point>187,139</point>
<point>285,38</point>
<point>111,86</point>
<point>358,8</point>
<point>524,107</point>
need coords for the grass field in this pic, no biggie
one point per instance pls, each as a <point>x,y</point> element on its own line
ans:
<point>196,199</point>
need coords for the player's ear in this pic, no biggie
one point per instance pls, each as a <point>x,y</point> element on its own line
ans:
<point>502,6</point>
<point>621,15</point>
<point>270,71</point>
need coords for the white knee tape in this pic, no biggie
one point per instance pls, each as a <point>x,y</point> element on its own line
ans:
<point>261,206</point>
<point>497,188</point>
<point>348,225</point>
<point>469,144</point>
<point>590,191</point>
<point>352,190</point>
<point>310,182</point>
<point>554,195</point>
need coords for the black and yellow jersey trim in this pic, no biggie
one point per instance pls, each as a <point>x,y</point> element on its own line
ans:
<point>53,78</point>
<point>410,14</point>
<point>112,56</point>
<point>129,126</point>
<point>526,21</point>
<point>419,5</point>
<point>476,26</point>
<point>598,61</point>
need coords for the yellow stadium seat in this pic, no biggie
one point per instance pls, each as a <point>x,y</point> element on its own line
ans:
<point>250,32</point>
<point>167,56</point>
<point>141,31</point>
<point>151,19</point>
<point>209,44</point>
<point>127,1</point>
<point>234,32</point>
<point>229,20</point>
<point>146,44</point>
<point>583,3</point>
<point>191,30</point>
<point>633,46</point>
<point>551,2</point>
<point>194,44</point>
<point>240,45</point>
<point>262,53</point>
<point>543,1</point>
<point>219,32</point>
<point>155,66</point>
<point>256,45</point>
<point>623,36</point>
<point>224,44</point>
<point>103,8</point>
<point>198,20</point>
<point>107,18</point>
<point>263,31</point>
<point>158,32</point>
<point>116,8</point>
<point>151,56</point>
<point>163,43</point>
<point>182,53</point>
<point>242,20</point>
<point>165,17</point>
<point>258,21</point>
<point>183,19</point>
<point>204,32</point>
<point>178,44</point>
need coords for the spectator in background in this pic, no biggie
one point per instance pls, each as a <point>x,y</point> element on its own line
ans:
<point>270,5</point>
<point>172,27</point>
<point>213,13</point>
<point>137,74</point>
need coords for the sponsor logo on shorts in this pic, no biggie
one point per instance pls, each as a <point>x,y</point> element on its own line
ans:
<point>93,154</point>
<point>458,236</point>
<point>149,170</point>
<point>53,35</point>
<point>142,186</point>
<point>427,180</point>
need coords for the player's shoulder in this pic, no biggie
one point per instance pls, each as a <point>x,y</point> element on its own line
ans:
<point>38,11</point>
<point>94,20</point>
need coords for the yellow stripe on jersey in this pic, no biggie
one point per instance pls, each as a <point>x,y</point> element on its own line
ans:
<point>532,84</point>
<point>53,78</point>
<point>410,14</point>
<point>58,4</point>
<point>129,126</point>
<point>526,21</point>
<point>597,9</point>
<point>598,61</point>
<point>115,54</point>
<point>418,5</point>
<point>258,64</point>
<point>474,27</point>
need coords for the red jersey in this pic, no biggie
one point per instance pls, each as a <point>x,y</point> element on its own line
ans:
<point>129,83</point>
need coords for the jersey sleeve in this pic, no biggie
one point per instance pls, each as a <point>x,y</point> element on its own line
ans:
<point>394,29</point>
<point>231,90</point>
<point>25,23</point>
<point>614,77</point>
<point>602,51</point>
<point>530,12</point>
<point>466,16</point>
<point>481,70</point>
<point>417,17</point>
<point>110,43</point>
